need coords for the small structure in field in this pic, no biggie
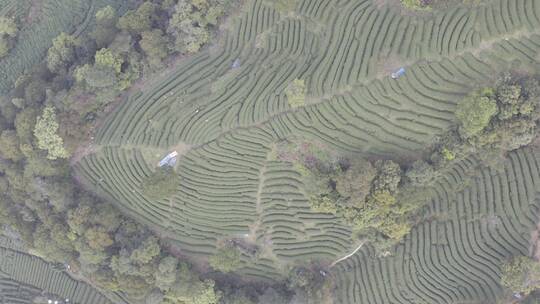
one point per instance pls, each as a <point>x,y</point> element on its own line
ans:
<point>398,73</point>
<point>169,160</point>
<point>236,63</point>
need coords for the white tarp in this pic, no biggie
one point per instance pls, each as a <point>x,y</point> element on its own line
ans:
<point>169,160</point>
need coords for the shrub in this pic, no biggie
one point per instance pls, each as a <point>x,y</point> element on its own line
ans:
<point>521,274</point>
<point>226,259</point>
<point>415,4</point>
<point>160,184</point>
<point>296,93</point>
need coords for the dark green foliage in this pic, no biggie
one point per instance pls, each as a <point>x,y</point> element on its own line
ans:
<point>167,273</point>
<point>161,184</point>
<point>475,112</point>
<point>388,176</point>
<point>9,145</point>
<point>139,20</point>
<point>272,296</point>
<point>515,124</point>
<point>155,46</point>
<point>355,183</point>
<point>62,53</point>
<point>8,33</point>
<point>190,289</point>
<point>24,124</point>
<point>308,281</point>
<point>191,22</point>
<point>105,30</point>
<point>421,173</point>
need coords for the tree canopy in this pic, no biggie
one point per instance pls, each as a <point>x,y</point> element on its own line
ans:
<point>62,53</point>
<point>475,111</point>
<point>46,133</point>
<point>8,33</point>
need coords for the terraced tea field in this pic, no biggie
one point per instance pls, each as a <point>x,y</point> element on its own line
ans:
<point>39,23</point>
<point>25,279</point>
<point>224,121</point>
<point>455,257</point>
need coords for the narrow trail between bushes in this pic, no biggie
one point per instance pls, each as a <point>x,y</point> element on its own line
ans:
<point>348,255</point>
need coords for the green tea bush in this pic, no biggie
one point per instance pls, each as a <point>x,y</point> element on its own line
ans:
<point>160,184</point>
<point>296,93</point>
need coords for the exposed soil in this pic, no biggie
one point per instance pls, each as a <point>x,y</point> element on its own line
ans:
<point>534,248</point>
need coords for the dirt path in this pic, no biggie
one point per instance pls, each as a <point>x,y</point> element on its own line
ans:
<point>534,247</point>
<point>348,255</point>
<point>252,237</point>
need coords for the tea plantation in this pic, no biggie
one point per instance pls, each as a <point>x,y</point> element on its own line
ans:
<point>455,257</point>
<point>224,119</point>
<point>25,278</point>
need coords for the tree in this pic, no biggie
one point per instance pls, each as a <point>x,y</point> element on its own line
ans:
<point>34,92</point>
<point>105,30</point>
<point>388,176</point>
<point>226,259</point>
<point>421,173</point>
<point>475,111</point>
<point>24,124</point>
<point>98,238</point>
<point>324,203</point>
<point>140,20</point>
<point>147,251</point>
<point>160,184</point>
<point>104,73</point>
<point>8,33</point>
<point>271,296</point>
<point>61,54</point>
<point>8,27</point>
<point>307,280</point>
<point>154,44</point>
<point>46,133</point>
<point>77,218</point>
<point>106,58</point>
<point>156,296</point>
<point>355,182</point>
<point>166,275</point>
<point>296,93</point>
<point>190,35</point>
<point>193,291</point>
<point>521,274</point>
<point>9,145</point>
